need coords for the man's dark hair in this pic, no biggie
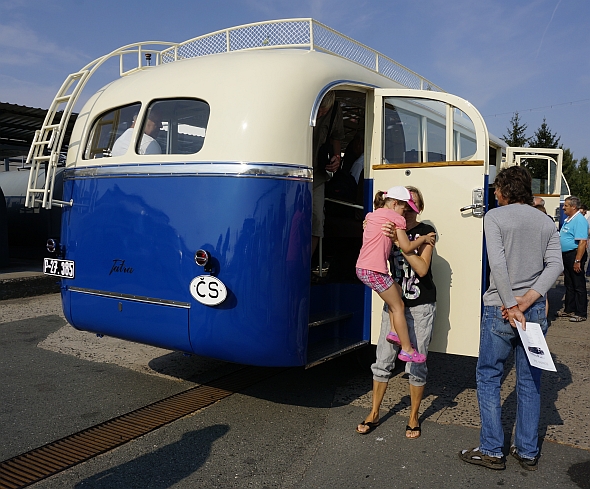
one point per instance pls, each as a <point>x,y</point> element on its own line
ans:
<point>515,185</point>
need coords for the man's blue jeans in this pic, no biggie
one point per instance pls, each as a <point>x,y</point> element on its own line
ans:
<point>497,340</point>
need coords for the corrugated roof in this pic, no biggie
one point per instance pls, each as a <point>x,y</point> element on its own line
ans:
<point>18,124</point>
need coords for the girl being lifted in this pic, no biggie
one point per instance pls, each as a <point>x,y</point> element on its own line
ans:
<point>371,266</point>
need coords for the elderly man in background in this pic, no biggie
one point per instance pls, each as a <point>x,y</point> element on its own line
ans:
<point>573,237</point>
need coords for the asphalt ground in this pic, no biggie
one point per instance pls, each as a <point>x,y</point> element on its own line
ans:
<point>294,430</point>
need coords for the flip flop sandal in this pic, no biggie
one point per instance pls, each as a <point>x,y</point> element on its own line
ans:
<point>417,429</point>
<point>475,457</point>
<point>393,338</point>
<point>371,426</point>
<point>577,319</point>
<point>563,314</point>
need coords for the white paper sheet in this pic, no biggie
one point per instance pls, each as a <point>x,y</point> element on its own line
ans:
<point>535,346</point>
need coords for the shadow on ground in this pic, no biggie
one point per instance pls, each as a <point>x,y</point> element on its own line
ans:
<point>163,467</point>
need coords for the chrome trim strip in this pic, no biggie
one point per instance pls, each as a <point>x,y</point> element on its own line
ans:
<point>326,89</point>
<point>131,297</point>
<point>238,169</point>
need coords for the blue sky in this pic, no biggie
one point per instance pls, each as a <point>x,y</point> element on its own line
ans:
<point>502,55</point>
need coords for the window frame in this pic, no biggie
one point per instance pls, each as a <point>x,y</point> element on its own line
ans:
<point>93,136</point>
<point>172,134</point>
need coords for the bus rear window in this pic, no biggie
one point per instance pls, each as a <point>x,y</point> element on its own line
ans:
<point>108,129</point>
<point>177,126</point>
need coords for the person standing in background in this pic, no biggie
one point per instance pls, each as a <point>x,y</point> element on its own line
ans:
<point>574,238</point>
<point>584,210</point>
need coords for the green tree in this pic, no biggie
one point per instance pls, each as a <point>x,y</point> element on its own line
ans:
<point>544,138</point>
<point>568,167</point>
<point>516,133</point>
<point>584,190</point>
<point>579,180</point>
<point>577,176</point>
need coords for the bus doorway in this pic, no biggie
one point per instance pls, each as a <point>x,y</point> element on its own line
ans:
<point>344,192</point>
<point>338,320</point>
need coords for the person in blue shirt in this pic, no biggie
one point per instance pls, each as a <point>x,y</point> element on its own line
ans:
<point>573,237</point>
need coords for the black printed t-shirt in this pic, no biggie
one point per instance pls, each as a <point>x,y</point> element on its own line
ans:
<point>415,290</point>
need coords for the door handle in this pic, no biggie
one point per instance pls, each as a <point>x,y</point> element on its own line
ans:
<point>477,203</point>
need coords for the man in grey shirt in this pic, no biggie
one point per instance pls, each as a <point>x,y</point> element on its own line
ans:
<point>525,260</point>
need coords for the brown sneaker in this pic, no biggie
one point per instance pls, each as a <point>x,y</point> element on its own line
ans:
<point>525,463</point>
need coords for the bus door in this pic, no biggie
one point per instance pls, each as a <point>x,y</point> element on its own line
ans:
<point>438,143</point>
<point>545,166</point>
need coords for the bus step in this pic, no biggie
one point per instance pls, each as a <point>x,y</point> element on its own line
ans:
<point>327,318</point>
<point>331,348</point>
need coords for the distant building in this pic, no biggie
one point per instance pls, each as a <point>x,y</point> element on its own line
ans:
<point>18,124</point>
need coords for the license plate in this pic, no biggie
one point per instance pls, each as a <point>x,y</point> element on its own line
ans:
<point>58,268</point>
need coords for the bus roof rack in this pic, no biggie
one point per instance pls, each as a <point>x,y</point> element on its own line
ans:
<point>296,33</point>
<point>303,33</point>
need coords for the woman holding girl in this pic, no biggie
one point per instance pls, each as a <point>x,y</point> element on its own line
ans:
<point>371,266</point>
<point>414,275</point>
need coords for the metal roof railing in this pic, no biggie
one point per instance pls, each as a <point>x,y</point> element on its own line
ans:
<point>296,33</point>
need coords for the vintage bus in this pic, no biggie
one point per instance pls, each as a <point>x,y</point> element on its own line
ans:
<point>201,244</point>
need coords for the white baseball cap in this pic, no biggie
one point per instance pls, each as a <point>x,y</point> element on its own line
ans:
<point>401,193</point>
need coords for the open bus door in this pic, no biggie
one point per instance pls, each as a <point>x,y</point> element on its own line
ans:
<point>545,165</point>
<point>438,143</point>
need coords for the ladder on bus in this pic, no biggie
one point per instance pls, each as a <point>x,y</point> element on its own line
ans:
<point>46,146</point>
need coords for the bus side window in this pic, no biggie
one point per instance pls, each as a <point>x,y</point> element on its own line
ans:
<point>395,136</point>
<point>464,144</point>
<point>543,174</point>
<point>108,128</point>
<point>178,125</point>
<point>415,132</point>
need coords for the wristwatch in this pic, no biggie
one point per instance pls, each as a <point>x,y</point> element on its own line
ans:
<point>576,261</point>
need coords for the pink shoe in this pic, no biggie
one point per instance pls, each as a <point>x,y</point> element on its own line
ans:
<point>415,357</point>
<point>393,338</point>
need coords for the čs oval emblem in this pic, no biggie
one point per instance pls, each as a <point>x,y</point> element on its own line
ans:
<point>208,290</point>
